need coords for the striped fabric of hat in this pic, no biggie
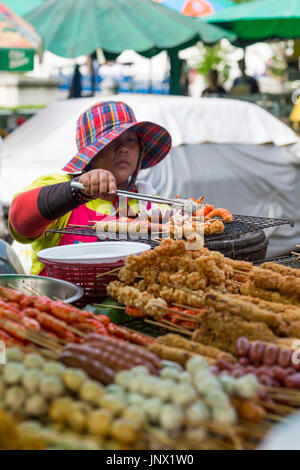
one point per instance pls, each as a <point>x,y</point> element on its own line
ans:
<point>104,122</point>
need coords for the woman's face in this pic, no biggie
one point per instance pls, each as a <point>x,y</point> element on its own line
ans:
<point>120,157</point>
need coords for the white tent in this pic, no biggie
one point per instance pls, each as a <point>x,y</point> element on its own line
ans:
<point>233,152</point>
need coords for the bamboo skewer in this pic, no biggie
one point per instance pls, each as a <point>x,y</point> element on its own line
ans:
<point>180,328</point>
<point>273,417</point>
<point>109,272</point>
<point>189,308</point>
<point>171,328</point>
<point>110,306</point>
<point>246,273</point>
<point>77,225</point>
<point>185,289</point>
<point>281,409</point>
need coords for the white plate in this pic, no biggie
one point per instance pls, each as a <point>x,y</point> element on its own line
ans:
<point>92,253</point>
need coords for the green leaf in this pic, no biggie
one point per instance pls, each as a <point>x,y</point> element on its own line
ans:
<point>116,315</point>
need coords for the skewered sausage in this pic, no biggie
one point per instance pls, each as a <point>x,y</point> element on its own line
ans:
<point>242,346</point>
<point>257,349</point>
<point>93,368</point>
<point>130,348</point>
<point>270,356</point>
<point>284,357</point>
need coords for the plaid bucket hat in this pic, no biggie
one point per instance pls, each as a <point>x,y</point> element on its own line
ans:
<point>104,122</point>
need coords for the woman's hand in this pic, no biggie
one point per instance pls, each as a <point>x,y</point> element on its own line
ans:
<point>99,183</point>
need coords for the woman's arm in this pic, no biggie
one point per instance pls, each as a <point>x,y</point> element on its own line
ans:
<point>32,211</point>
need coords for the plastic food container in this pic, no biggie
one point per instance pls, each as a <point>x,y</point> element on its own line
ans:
<point>81,264</point>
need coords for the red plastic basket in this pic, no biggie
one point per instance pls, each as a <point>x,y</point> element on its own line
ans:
<point>85,276</point>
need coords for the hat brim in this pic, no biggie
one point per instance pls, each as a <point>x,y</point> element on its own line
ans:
<point>156,141</point>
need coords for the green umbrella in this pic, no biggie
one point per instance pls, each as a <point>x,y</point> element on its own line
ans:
<point>261,20</point>
<point>71,28</point>
<point>22,7</point>
<point>18,42</point>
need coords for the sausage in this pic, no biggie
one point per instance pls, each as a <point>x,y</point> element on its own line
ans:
<point>265,380</point>
<point>292,381</point>
<point>244,361</point>
<point>270,356</point>
<point>102,356</point>
<point>265,370</point>
<point>222,364</point>
<point>242,347</point>
<point>279,373</point>
<point>284,358</point>
<point>123,345</point>
<point>108,357</point>
<point>256,353</point>
<point>93,368</point>
<point>132,356</point>
<point>251,370</point>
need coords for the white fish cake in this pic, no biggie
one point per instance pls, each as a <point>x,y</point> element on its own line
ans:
<point>101,226</point>
<point>123,227</point>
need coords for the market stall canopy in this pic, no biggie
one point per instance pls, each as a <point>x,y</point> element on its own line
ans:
<point>18,42</point>
<point>197,8</point>
<point>261,19</point>
<point>78,27</point>
<point>22,7</point>
<point>233,152</point>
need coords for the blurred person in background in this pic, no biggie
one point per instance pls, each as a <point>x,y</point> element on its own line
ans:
<point>75,87</point>
<point>244,85</point>
<point>93,68</point>
<point>184,78</point>
<point>213,89</point>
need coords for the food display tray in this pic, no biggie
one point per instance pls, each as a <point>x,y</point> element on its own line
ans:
<point>240,225</point>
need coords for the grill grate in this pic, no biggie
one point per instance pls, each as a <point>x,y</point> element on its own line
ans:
<point>289,260</point>
<point>240,225</point>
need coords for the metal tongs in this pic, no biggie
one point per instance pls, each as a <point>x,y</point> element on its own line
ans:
<point>184,204</point>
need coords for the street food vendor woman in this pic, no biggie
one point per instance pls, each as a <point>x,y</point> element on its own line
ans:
<point>112,148</point>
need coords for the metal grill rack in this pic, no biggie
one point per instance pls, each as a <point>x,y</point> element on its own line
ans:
<point>240,225</point>
<point>289,260</point>
<point>247,223</point>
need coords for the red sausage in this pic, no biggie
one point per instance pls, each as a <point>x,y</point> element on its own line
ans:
<point>244,361</point>
<point>242,346</point>
<point>292,381</point>
<point>256,354</point>
<point>265,380</point>
<point>270,355</point>
<point>265,371</point>
<point>222,364</point>
<point>280,373</point>
<point>276,384</point>
<point>93,339</point>
<point>251,370</point>
<point>284,358</point>
<point>94,369</point>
